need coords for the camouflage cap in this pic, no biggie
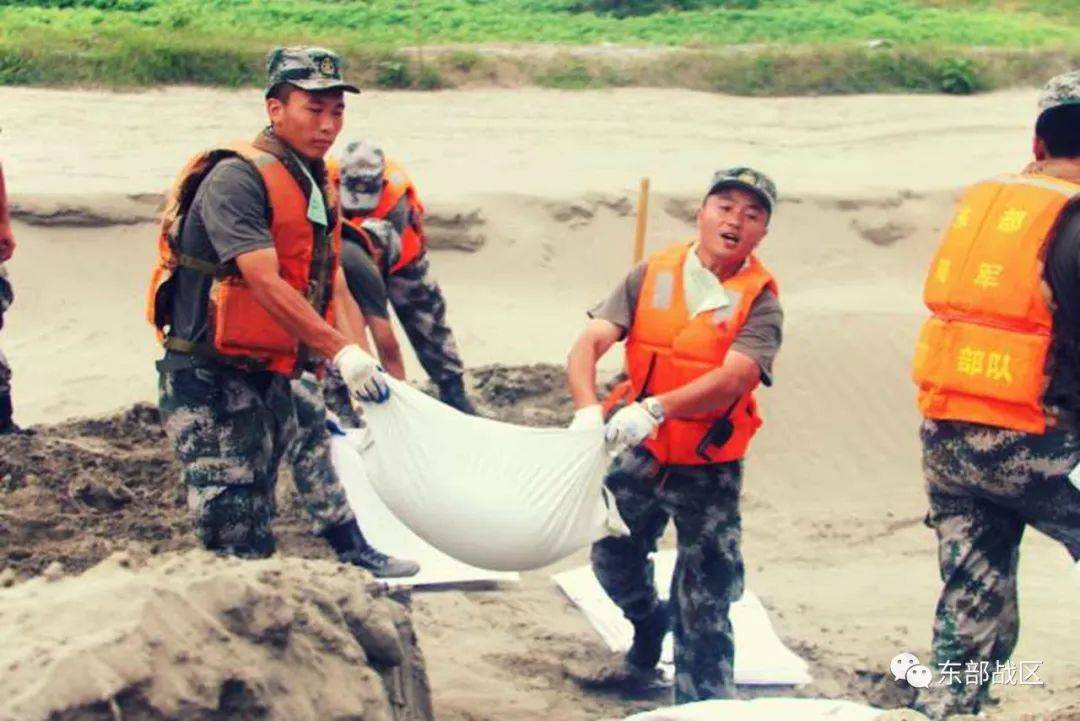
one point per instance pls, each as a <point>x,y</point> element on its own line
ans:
<point>306,68</point>
<point>362,165</point>
<point>1061,90</point>
<point>742,177</point>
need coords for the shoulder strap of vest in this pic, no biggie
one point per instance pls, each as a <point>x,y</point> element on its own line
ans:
<point>182,193</point>
<point>1039,180</point>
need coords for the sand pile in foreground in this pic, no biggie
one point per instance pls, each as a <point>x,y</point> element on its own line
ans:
<point>195,636</point>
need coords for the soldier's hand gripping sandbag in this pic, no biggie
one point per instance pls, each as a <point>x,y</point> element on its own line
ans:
<point>362,374</point>
<point>629,427</point>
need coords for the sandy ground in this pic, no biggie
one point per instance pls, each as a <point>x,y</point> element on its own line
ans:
<point>833,497</point>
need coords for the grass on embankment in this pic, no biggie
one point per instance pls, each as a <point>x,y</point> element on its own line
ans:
<point>802,46</point>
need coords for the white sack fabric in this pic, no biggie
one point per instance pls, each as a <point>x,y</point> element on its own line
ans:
<point>761,658</point>
<point>386,533</point>
<point>763,709</point>
<point>490,494</point>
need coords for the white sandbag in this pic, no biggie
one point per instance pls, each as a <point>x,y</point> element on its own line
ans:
<point>384,531</point>
<point>490,494</point>
<point>763,709</point>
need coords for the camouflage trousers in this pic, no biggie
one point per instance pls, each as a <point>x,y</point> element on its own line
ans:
<point>337,397</point>
<point>704,503</point>
<point>6,298</point>
<point>231,430</point>
<point>419,304</point>
<point>985,485</point>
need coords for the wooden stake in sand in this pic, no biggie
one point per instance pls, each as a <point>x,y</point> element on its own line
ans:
<point>642,218</point>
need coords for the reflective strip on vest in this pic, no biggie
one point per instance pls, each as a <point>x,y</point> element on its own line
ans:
<point>666,349</point>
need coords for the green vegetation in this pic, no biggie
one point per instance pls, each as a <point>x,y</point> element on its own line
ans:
<point>745,46</point>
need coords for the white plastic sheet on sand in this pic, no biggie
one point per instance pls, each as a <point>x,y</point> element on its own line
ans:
<point>492,495</point>
<point>760,656</point>
<point>384,531</point>
<point>763,709</point>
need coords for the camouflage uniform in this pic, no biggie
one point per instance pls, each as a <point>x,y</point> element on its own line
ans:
<point>704,502</point>
<point>6,297</point>
<point>416,296</point>
<point>985,485</point>
<point>337,397</point>
<point>231,429</point>
<point>419,304</point>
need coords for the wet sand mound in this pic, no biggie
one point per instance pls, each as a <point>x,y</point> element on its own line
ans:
<point>193,636</point>
<point>75,492</point>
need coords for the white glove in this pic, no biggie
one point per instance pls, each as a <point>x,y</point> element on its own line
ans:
<point>629,427</point>
<point>362,374</point>
<point>589,417</point>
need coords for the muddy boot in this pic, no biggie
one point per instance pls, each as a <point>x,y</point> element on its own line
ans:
<point>351,547</point>
<point>452,393</point>
<point>649,634</point>
<point>7,422</point>
<point>617,675</point>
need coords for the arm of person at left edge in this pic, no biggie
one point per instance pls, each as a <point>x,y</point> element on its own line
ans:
<point>7,239</point>
<point>748,362</point>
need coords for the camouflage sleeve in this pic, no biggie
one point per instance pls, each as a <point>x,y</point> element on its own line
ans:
<point>619,307</point>
<point>761,335</point>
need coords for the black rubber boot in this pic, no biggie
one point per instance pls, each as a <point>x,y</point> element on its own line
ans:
<point>351,547</point>
<point>649,635</point>
<point>7,422</point>
<point>452,393</point>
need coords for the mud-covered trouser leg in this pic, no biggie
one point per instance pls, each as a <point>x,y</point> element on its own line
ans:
<point>419,304</point>
<point>316,480</point>
<point>5,375</point>
<point>622,565</point>
<point>228,428</point>
<point>708,578</point>
<point>984,486</point>
<point>6,298</point>
<point>337,398</point>
<point>977,617</point>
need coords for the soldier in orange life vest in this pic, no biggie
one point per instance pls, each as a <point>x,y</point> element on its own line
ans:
<point>998,371</point>
<point>375,187</point>
<point>7,249</point>
<point>247,296</point>
<point>702,323</point>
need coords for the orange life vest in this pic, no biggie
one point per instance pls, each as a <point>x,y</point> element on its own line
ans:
<point>982,356</point>
<point>242,332</point>
<point>666,349</point>
<point>396,185</point>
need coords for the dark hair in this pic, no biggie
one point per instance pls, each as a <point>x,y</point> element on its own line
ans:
<point>281,92</point>
<point>1059,129</point>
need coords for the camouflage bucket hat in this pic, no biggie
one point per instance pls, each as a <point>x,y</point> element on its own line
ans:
<point>1061,90</point>
<point>362,166</point>
<point>747,178</point>
<point>306,68</point>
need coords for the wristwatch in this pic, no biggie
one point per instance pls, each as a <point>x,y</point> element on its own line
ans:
<point>655,408</point>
